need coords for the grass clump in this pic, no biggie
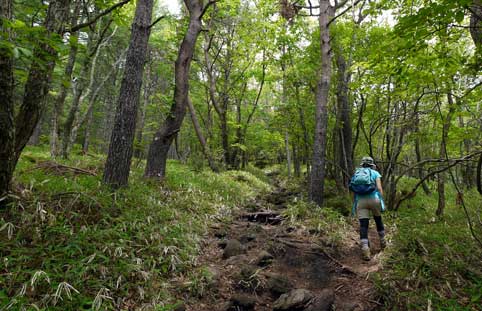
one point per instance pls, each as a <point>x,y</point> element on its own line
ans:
<point>434,263</point>
<point>70,243</point>
<point>326,222</point>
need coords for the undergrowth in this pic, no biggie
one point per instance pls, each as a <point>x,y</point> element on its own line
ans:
<point>70,243</point>
<point>433,263</point>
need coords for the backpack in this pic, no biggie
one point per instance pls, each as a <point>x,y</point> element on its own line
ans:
<point>361,182</point>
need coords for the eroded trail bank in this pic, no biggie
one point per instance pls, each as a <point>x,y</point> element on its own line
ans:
<point>259,261</point>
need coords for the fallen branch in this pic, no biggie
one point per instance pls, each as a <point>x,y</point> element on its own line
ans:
<point>60,168</point>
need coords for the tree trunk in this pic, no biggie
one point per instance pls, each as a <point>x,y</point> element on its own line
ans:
<point>88,129</point>
<point>65,84</point>
<point>7,126</point>
<point>479,175</point>
<point>476,28</point>
<point>78,89</point>
<point>321,112</point>
<point>39,76</point>
<point>157,155</point>
<point>296,161</point>
<point>117,167</point>
<point>288,154</point>
<point>443,155</point>
<point>200,136</point>
<point>138,149</point>
<point>89,65</point>
<point>418,154</point>
<point>34,140</point>
<point>345,134</point>
<point>109,108</point>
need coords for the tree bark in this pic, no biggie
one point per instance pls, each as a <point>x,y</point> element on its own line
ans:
<point>117,167</point>
<point>7,126</point>
<point>344,131</point>
<point>321,111</point>
<point>479,175</point>
<point>88,129</point>
<point>288,153</point>
<point>200,136</point>
<point>65,84</point>
<point>38,81</point>
<point>443,154</point>
<point>139,151</point>
<point>476,28</point>
<point>418,154</point>
<point>34,140</point>
<point>89,65</point>
<point>157,155</point>
<point>110,108</point>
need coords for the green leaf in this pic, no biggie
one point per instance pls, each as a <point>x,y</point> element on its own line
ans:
<point>459,16</point>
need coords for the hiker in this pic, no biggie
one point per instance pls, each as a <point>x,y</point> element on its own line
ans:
<point>366,185</point>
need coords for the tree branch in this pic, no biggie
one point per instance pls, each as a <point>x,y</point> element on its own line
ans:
<point>156,21</point>
<point>344,11</point>
<point>456,161</point>
<point>103,13</point>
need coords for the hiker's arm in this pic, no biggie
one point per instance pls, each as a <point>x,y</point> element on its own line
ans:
<point>379,186</point>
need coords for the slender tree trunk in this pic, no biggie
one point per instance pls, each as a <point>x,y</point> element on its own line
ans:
<point>344,118</point>
<point>321,112</point>
<point>138,149</point>
<point>479,175</point>
<point>296,161</point>
<point>78,89</point>
<point>35,138</point>
<point>418,154</point>
<point>288,153</point>
<point>225,138</point>
<point>7,126</point>
<point>443,155</point>
<point>109,108</point>
<point>476,28</point>
<point>87,74</point>
<point>200,136</point>
<point>157,155</point>
<point>38,81</point>
<point>88,129</point>
<point>117,167</point>
<point>58,110</point>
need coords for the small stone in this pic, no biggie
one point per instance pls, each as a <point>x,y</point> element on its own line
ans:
<point>214,274</point>
<point>294,300</point>
<point>278,284</point>
<point>347,306</point>
<point>181,307</point>
<point>243,302</point>
<point>323,301</point>
<point>233,248</point>
<point>222,244</point>
<point>264,259</point>
<point>247,238</point>
<point>221,233</point>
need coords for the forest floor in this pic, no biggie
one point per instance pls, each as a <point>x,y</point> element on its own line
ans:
<point>260,262</point>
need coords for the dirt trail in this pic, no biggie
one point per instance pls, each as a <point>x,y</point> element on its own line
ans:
<point>260,263</point>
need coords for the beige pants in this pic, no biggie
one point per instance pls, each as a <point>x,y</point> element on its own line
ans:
<point>365,206</point>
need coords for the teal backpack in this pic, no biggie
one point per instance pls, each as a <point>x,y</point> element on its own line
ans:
<point>361,182</point>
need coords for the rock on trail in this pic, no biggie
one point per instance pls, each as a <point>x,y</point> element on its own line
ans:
<point>260,264</point>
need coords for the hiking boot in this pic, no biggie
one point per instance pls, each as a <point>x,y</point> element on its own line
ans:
<point>366,253</point>
<point>383,243</point>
